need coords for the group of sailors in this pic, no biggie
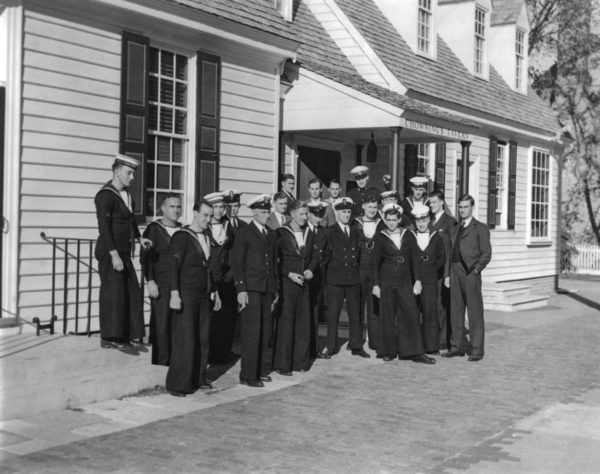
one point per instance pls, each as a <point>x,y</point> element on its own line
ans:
<point>293,265</point>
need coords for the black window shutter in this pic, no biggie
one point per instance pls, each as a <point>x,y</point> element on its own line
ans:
<point>492,188</point>
<point>440,167</point>
<point>133,133</point>
<point>207,123</point>
<point>512,184</point>
<point>410,166</point>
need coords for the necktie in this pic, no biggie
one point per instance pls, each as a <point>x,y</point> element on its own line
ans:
<point>346,232</point>
<point>264,233</point>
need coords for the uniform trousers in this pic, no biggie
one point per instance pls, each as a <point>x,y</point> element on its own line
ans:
<point>190,330</point>
<point>292,345</point>
<point>430,324</point>
<point>317,307</point>
<point>369,308</point>
<point>160,325</point>
<point>222,327</point>
<point>400,328</point>
<point>336,295</point>
<point>257,332</point>
<point>121,316</point>
<point>444,313</point>
<point>465,292</point>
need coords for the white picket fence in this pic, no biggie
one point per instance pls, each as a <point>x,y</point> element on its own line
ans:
<point>587,261</point>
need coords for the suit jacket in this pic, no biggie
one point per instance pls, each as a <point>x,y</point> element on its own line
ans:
<point>273,223</point>
<point>340,256</point>
<point>447,227</point>
<point>156,260</point>
<point>219,253</point>
<point>253,260</point>
<point>474,245</point>
<point>291,199</point>
<point>190,269</point>
<point>236,224</point>
<point>392,265</point>
<point>116,223</point>
<point>292,258</point>
<point>431,261</point>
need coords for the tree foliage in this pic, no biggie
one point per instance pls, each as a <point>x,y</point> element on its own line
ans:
<point>567,30</point>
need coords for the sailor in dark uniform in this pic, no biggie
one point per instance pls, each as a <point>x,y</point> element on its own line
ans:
<point>316,215</point>
<point>418,184</point>
<point>446,225</point>
<point>232,201</point>
<point>157,270</point>
<point>222,327</point>
<point>392,196</point>
<point>394,270</point>
<point>298,259</point>
<point>192,295</point>
<point>340,249</point>
<point>121,312</point>
<point>368,225</point>
<point>256,280</point>
<point>431,263</point>
<point>362,189</point>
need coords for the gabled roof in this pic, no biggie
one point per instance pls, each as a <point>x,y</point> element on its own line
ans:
<point>445,80</point>
<point>506,11</point>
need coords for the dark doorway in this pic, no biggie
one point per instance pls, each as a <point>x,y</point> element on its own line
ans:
<point>3,224</point>
<point>314,162</point>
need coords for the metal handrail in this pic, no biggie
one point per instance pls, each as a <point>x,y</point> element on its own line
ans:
<point>64,244</point>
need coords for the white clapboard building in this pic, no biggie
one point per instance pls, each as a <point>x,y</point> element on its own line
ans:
<point>229,94</point>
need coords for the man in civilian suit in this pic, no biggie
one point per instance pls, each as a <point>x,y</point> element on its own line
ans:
<point>279,216</point>
<point>445,225</point>
<point>471,252</point>
<point>256,279</point>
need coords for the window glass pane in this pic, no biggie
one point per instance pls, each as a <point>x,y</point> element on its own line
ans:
<point>153,117</point>
<point>166,63</point>
<point>176,180</point>
<point>162,176</point>
<point>166,120</point>
<point>163,146</point>
<point>180,94</point>
<point>180,122</point>
<point>181,67</point>
<point>153,60</point>
<point>166,91</point>
<point>153,92</point>
<point>178,150</point>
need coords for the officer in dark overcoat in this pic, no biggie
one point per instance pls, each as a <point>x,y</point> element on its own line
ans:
<point>396,281</point>
<point>362,189</point>
<point>221,235</point>
<point>298,259</point>
<point>232,202</point>
<point>193,297</point>
<point>121,312</point>
<point>256,280</point>
<point>340,249</point>
<point>156,263</point>
<point>431,261</point>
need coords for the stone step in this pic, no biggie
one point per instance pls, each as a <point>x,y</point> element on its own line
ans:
<point>56,372</point>
<point>504,289</point>
<point>517,303</point>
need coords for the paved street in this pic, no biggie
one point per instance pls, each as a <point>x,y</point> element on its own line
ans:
<point>532,405</point>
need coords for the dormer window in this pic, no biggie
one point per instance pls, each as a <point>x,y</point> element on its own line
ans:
<point>286,9</point>
<point>480,41</point>
<point>425,29</point>
<point>520,58</point>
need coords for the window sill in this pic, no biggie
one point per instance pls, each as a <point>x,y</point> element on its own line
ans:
<point>540,243</point>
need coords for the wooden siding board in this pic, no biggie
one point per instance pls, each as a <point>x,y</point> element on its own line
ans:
<point>70,128</point>
<point>42,60</point>
<point>37,108</point>
<point>69,97</point>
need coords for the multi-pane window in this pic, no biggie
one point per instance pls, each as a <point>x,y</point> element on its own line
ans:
<point>540,195</point>
<point>424,26</point>
<point>520,58</point>
<point>501,188</point>
<point>167,126</point>
<point>479,41</point>
<point>423,159</point>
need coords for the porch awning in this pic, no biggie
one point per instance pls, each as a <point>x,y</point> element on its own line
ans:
<point>325,99</point>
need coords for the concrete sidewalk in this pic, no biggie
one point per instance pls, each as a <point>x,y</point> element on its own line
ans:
<point>532,405</point>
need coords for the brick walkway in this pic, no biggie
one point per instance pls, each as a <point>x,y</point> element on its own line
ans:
<point>366,416</point>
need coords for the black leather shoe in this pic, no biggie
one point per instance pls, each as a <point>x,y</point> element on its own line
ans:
<point>387,358</point>
<point>252,383</point>
<point>105,344</point>
<point>433,353</point>
<point>266,378</point>
<point>361,353</point>
<point>324,355</point>
<point>287,373</point>
<point>475,358</point>
<point>423,359</point>
<point>206,385</point>
<point>449,354</point>
<point>177,393</point>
